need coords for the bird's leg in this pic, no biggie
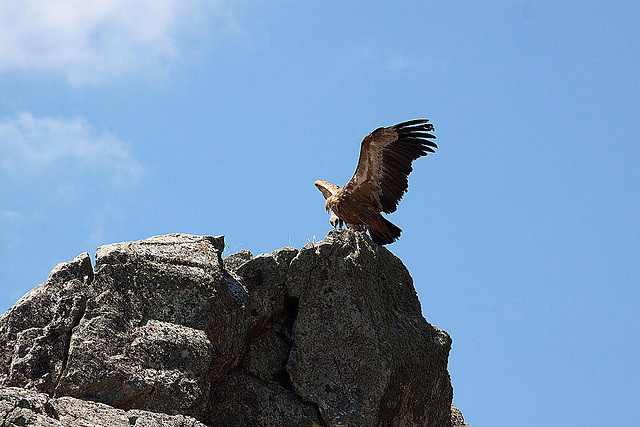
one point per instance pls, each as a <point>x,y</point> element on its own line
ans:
<point>356,227</point>
<point>334,220</point>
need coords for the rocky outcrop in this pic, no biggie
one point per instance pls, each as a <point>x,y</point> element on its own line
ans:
<point>163,331</point>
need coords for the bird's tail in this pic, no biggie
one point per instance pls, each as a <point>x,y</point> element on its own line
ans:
<point>384,231</point>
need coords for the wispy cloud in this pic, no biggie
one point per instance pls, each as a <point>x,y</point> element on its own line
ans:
<point>61,173</point>
<point>10,217</point>
<point>400,62</point>
<point>397,61</point>
<point>49,147</point>
<point>97,40</point>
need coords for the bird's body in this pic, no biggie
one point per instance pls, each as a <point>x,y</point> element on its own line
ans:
<point>380,179</point>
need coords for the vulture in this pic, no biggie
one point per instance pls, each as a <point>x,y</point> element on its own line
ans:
<point>380,180</point>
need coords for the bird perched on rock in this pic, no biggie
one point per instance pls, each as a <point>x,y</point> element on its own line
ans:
<point>380,180</point>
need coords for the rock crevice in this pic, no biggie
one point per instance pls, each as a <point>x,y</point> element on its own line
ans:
<point>76,317</point>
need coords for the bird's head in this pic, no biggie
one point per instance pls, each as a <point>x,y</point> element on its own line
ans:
<point>326,188</point>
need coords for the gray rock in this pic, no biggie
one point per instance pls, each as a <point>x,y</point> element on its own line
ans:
<point>233,261</point>
<point>161,315</point>
<point>35,332</point>
<point>166,332</point>
<point>20,407</point>
<point>457,420</point>
<point>242,400</point>
<point>362,350</point>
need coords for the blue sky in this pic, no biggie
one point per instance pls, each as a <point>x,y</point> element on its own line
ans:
<point>122,120</point>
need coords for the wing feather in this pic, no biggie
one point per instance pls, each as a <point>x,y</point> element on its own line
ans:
<point>385,161</point>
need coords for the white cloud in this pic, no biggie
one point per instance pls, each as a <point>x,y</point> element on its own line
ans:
<point>10,217</point>
<point>93,41</point>
<point>398,62</point>
<point>61,174</point>
<point>63,151</point>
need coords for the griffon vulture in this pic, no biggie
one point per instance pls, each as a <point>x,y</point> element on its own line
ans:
<point>380,179</point>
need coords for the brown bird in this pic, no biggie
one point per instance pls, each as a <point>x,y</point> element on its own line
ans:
<point>380,180</point>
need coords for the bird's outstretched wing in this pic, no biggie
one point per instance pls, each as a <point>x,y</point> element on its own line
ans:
<point>385,162</point>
